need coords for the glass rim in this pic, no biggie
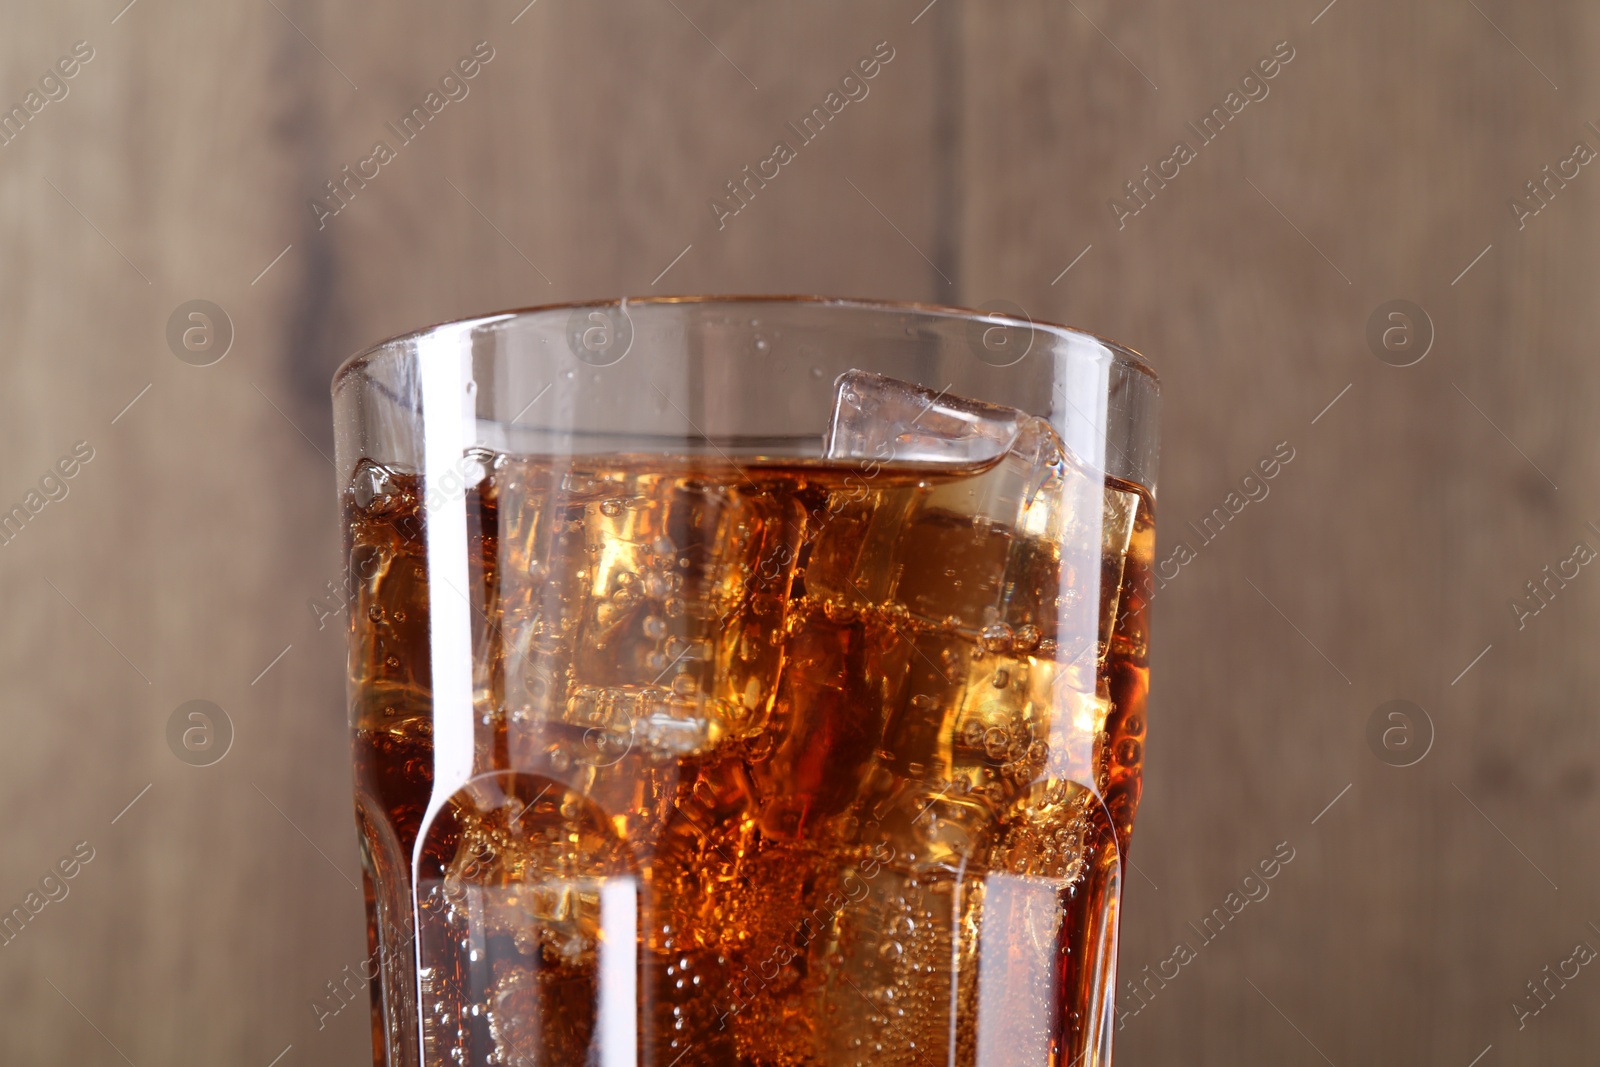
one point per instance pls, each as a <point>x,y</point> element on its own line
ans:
<point>1122,355</point>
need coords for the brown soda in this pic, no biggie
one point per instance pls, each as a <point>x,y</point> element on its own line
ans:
<point>813,742</point>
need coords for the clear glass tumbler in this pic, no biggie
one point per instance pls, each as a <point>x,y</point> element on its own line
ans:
<point>746,681</point>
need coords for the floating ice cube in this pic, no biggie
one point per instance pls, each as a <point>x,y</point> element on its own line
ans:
<point>1026,552</point>
<point>888,420</point>
<point>1000,569</point>
<point>638,604</point>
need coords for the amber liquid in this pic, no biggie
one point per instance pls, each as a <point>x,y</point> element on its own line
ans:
<point>770,764</point>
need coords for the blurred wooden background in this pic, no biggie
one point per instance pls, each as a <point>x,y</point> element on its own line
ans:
<point>180,165</point>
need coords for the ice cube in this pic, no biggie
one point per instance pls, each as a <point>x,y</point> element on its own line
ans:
<point>885,419</point>
<point>638,606</point>
<point>1012,538</point>
<point>1000,571</point>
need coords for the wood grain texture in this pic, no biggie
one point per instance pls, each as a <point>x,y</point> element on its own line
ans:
<point>183,160</point>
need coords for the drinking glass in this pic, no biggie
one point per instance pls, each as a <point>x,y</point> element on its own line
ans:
<point>746,681</point>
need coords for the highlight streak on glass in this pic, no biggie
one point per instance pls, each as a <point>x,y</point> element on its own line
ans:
<point>619,972</point>
<point>445,361</point>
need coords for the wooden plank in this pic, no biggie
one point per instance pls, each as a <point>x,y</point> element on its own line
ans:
<point>1378,167</point>
<point>181,164</point>
<point>217,908</point>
